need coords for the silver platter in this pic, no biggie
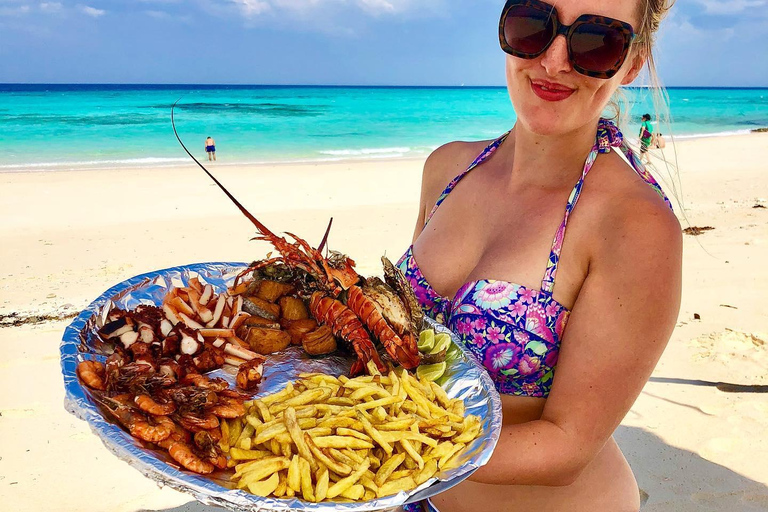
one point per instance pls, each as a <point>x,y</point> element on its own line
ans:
<point>464,379</point>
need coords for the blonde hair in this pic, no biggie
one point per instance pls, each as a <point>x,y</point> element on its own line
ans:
<point>651,13</point>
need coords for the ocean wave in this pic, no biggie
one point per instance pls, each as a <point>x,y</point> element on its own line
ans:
<point>707,135</point>
<point>86,164</point>
<point>366,151</point>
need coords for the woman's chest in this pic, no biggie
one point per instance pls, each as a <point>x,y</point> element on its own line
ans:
<point>486,233</point>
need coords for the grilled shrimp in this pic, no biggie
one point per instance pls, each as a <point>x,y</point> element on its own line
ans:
<point>206,446</point>
<point>138,424</point>
<point>177,431</point>
<point>183,454</point>
<point>92,374</point>
<point>149,405</point>
<point>197,423</point>
<point>229,408</point>
<point>201,381</point>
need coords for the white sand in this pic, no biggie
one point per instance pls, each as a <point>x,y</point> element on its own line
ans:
<point>67,237</point>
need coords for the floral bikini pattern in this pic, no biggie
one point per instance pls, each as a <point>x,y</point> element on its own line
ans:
<point>512,330</point>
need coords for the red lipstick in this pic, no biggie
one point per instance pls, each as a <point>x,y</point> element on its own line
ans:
<point>549,91</point>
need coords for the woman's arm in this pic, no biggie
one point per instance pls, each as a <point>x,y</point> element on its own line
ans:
<point>618,329</point>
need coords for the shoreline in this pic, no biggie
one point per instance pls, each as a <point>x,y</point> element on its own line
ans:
<point>181,162</point>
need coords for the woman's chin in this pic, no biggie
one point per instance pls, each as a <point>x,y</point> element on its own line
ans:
<point>544,123</point>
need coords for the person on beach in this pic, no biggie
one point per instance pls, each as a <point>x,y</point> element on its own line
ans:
<point>646,137</point>
<point>210,148</point>
<point>571,329</point>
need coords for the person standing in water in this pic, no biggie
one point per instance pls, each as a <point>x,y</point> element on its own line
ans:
<point>646,137</point>
<point>210,148</point>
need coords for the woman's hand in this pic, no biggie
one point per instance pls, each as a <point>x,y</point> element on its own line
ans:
<point>620,324</point>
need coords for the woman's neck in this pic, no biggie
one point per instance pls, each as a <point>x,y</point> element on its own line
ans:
<point>550,160</point>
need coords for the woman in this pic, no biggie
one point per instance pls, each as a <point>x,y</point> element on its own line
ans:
<point>480,252</point>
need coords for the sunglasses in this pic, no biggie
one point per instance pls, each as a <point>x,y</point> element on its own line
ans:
<point>597,46</point>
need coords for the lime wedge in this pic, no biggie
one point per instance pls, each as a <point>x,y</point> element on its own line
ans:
<point>442,342</point>
<point>426,340</point>
<point>453,353</point>
<point>431,372</point>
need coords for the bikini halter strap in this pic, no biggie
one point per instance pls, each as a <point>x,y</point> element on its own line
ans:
<point>608,137</point>
<point>482,157</point>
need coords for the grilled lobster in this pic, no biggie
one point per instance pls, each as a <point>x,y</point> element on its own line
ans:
<point>391,319</point>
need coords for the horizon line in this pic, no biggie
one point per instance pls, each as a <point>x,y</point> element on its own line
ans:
<point>357,86</point>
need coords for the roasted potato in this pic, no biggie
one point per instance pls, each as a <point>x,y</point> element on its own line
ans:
<point>319,342</point>
<point>265,341</point>
<point>293,309</point>
<point>271,291</point>
<point>298,328</point>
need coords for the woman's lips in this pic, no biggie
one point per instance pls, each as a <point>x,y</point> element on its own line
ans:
<point>549,91</point>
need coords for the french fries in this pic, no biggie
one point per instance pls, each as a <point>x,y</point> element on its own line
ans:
<point>326,438</point>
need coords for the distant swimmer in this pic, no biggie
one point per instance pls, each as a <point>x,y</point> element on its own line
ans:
<point>210,148</point>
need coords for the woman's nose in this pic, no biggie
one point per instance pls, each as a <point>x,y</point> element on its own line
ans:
<point>555,59</point>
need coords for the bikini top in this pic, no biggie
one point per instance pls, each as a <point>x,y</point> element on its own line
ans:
<point>512,330</point>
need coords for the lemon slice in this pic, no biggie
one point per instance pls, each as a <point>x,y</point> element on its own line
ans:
<point>426,340</point>
<point>442,342</point>
<point>431,372</point>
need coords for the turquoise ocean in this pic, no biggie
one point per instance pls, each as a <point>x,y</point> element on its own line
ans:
<point>60,127</point>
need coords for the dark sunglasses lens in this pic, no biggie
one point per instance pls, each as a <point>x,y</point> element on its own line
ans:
<point>527,30</point>
<point>598,48</point>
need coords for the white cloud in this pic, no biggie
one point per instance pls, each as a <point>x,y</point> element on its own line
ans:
<point>50,6</point>
<point>14,11</point>
<point>730,6</point>
<point>92,11</point>
<point>253,8</point>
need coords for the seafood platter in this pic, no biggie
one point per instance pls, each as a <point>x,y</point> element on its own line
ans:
<point>292,383</point>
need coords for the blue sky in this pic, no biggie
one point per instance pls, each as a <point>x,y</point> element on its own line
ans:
<point>362,42</point>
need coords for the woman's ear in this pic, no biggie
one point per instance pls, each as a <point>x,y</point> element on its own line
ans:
<point>638,61</point>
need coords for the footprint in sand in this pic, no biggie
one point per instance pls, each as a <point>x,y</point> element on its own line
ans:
<point>759,500</point>
<point>744,353</point>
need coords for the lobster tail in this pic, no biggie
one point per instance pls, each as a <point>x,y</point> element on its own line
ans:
<point>409,351</point>
<point>347,326</point>
<point>402,350</point>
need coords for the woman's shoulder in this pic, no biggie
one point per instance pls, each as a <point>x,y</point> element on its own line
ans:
<point>627,209</point>
<point>448,161</point>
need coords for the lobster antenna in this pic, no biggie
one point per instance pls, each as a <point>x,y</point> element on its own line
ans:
<point>325,238</point>
<point>261,227</point>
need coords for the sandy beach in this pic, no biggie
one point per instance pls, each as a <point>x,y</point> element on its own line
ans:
<point>65,237</point>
